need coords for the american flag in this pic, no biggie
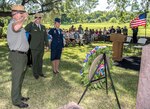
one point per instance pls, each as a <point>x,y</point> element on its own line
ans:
<point>138,21</point>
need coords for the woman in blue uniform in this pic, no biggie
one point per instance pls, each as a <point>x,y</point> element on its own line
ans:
<point>56,45</point>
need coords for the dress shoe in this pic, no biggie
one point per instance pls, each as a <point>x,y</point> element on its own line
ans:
<point>57,71</point>
<point>36,77</point>
<point>54,72</point>
<point>30,65</point>
<point>42,75</point>
<point>22,105</point>
<point>25,99</point>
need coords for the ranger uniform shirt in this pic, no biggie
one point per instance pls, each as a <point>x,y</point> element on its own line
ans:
<point>39,36</point>
<point>17,40</point>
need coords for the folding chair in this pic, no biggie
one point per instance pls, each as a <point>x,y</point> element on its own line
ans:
<point>128,42</point>
<point>141,42</point>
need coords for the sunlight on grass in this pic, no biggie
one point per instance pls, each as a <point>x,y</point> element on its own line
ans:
<point>55,91</point>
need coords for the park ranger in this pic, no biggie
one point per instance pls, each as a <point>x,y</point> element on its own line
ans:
<point>18,46</point>
<point>39,39</point>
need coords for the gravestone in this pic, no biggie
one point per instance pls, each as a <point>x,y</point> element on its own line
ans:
<point>143,94</point>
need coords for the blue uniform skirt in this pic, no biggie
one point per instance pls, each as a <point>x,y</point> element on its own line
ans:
<point>56,54</point>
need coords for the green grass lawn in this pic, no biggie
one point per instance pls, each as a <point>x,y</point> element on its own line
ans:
<point>55,91</point>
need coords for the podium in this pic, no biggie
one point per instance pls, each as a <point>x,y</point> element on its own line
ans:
<point>117,47</point>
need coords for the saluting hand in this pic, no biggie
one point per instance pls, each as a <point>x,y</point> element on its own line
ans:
<point>25,15</point>
<point>34,20</point>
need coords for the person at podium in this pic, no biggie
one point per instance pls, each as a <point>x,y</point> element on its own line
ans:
<point>135,33</point>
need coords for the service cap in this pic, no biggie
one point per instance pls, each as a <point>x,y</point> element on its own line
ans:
<point>57,20</point>
<point>38,15</point>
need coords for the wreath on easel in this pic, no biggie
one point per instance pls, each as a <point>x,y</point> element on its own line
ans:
<point>91,65</point>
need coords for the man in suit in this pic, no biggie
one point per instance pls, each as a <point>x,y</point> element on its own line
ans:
<point>39,39</point>
<point>56,45</point>
<point>18,46</point>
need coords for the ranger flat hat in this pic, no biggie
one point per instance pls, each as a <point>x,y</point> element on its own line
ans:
<point>18,8</point>
<point>38,15</point>
<point>57,20</point>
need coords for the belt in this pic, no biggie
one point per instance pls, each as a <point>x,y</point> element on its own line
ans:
<point>21,52</point>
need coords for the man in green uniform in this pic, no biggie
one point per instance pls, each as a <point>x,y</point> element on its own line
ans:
<point>39,38</point>
<point>18,46</point>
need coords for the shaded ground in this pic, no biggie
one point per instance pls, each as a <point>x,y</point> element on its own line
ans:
<point>131,62</point>
<point>55,91</point>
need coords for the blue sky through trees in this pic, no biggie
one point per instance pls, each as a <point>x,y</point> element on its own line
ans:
<point>103,6</point>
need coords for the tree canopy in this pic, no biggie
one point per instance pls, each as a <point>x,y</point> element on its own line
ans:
<point>32,6</point>
<point>79,10</point>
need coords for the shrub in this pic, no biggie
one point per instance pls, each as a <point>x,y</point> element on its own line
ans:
<point>113,20</point>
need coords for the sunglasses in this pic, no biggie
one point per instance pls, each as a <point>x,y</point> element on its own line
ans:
<point>37,17</point>
<point>17,13</point>
<point>21,13</point>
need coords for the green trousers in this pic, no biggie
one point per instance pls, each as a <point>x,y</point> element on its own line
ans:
<point>37,61</point>
<point>18,63</point>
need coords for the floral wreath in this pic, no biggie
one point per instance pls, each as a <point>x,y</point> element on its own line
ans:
<point>84,72</point>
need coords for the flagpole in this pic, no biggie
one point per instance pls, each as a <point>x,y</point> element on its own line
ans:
<point>146,23</point>
<point>145,31</point>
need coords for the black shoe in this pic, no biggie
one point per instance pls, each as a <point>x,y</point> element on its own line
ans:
<point>22,105</point>
<point>30,65</point>
<point>25,99</point>
<point>36,77</point>
<point>42,75</point>
<point>57,71</point>
<point>54,72</point>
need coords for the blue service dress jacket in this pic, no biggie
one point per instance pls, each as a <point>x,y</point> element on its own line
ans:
<point>57,39</point>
